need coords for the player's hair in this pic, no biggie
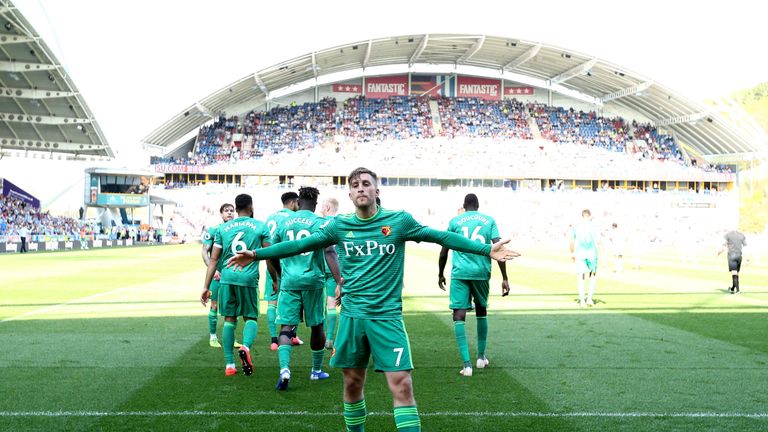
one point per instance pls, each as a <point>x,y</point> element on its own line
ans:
<point>357,172</point>
<point>308,195</point>
<point>288,197</point>
<point>225,205</point>
<point>615,225</point>
<point>586,212</point>
<point>242,202</point>
<point>471,202</point>
<point>333,203</point>
<point>378,201</point>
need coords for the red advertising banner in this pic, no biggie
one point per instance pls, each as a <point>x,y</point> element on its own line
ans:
<point>386,86</point>
<point>512,91</point>
<point>482,88</point>
<point>347,88</point>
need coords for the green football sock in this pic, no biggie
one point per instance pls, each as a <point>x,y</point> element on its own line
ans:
<point>284,356</point>
<point>482,335</point>
<point>317,359</point>
<point>271,315</point>
<point>407,419</point>
<point>228,339</point>
<point>249,332</point>
<point>461,340</point>
<point>354,416</point>
<point>213,321</point>
<point>330,323</point>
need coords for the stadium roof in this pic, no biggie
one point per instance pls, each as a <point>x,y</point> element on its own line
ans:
<point>41,109</point>
<point>698,127</point>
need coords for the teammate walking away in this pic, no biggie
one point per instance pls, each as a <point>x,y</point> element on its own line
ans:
<point>238,291</point>
<point>290,202</point>
<point>302,286</point>
<point>470,277</point>
<point>227,212</point>
<point>371,244</point>
<point>584,255</point>
<point>328,210</point>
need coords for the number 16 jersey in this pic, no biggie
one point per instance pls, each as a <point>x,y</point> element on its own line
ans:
<point>240,234</point>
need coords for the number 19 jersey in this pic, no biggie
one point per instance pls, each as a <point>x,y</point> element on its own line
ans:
<point>305,271</point>
<point>240,234</point>
<point>478,227</point>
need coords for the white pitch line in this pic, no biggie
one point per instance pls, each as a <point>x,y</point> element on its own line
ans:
<point>56,306</point>
<point>378,414</point>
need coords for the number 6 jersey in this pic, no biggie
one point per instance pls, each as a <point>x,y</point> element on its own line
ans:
<point>240,234</point>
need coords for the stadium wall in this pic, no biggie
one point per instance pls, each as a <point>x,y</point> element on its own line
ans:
<point>12,244</point>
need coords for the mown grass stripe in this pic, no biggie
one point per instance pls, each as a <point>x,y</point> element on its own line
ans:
<point>380,414</point>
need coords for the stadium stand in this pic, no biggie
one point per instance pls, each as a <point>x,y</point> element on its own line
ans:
<point>614,144</point>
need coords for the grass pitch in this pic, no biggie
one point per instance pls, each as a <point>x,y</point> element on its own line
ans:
<point>116,340</point>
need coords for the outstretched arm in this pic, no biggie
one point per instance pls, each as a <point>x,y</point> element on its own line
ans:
<point>459,243</point>
<point>441,262</point>
<point>503,268</point>
<point>316,241</point>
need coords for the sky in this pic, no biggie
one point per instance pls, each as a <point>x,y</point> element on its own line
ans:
<point>139,63</point>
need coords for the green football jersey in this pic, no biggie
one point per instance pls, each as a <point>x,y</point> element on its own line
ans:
<point>272,222</point>
<point>208,237</point>
<point>477,227</point>
<point>585,240</point>
<point>305,271</point>
<point>237,235</point>
<point>372,257</point>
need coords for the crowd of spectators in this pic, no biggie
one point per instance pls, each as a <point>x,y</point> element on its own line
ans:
<point>276,134</point>
<point>473,117</point>
<point>398,117</point>
<point>16,215</point>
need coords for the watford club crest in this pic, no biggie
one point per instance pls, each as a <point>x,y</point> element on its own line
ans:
<point>386,230</point>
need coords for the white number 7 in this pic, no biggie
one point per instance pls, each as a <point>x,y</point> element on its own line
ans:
<point>399,352</point>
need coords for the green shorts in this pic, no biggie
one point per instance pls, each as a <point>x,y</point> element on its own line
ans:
<point>238,300</point>
<point>268,296</point>
<point>214,289</point>
<point>330,286</point>
<point>359,338</point>
<point>463,292</point>
<point>586,265</point>
<point>292,303</point>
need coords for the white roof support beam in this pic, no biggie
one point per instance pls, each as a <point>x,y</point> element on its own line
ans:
<point>472,50</point>
<point>367,57</point>
<point>203,109</point>
<point>6,66</point>
<point>34,94</point>
<point>732,157</point>
<point>524,57</point>
<point>629,91</point>
<point>314,65</point>
<point>575,71</point>
<point>420,49</point>
<point>261,85</point>
<point>49,120</point>
<point>688,118</point>
<point>50,145</point>
<point>14,39</point>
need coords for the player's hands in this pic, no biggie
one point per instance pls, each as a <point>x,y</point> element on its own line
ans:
<point>504,288</point>
<point>275,287</point>
<point>217,276</point>
<point>502,254</point>
<point>205,296</point>
<point>441,282</point>
<point>241,260</point>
